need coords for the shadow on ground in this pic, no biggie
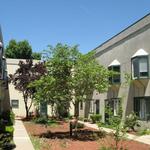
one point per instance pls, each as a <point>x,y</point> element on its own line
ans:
<point>82,135</point>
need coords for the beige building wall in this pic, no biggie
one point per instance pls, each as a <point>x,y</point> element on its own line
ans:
<point>12,66</point>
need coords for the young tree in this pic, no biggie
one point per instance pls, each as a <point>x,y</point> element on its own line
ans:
<point>26,73</point>
<point>87,76</point>
<point>55,87</point>
<point>59,65</point>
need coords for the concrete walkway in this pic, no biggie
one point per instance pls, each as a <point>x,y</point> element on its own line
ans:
<point>21,137</point>
<point>143,139</point>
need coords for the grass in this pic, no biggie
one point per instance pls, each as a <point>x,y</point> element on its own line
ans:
<point>36,142</point>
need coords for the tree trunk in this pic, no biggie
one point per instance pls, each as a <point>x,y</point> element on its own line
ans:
<point>27,110</point>
<point>76,113</point>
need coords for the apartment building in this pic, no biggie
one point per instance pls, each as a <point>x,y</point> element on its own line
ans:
<point>4,92</point>
<point>127,53</point>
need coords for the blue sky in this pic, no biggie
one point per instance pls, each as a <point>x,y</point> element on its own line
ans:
<point>87,23</point>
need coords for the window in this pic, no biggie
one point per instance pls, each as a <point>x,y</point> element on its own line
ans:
<point>97,107</point>
<point>91,106</point>
<point>15,103</point>
<point>113,104</point>
<point>140,67</point>
<point>115,78</point>
<point>142,107</point>
<point>81,105</point>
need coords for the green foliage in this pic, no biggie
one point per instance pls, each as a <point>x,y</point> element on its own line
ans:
<point>79,125</point>
<point>6,130</point>
<point>8,117</point>
<point>55,88</point>
<point>96,118</point>
<point>45,121</point>
<point>36,142</point>
<point>6,141</point>
<point>106,148</point>
<point>41,120</point>
<point>81,118</point>
<point>19,50</point>
<point>144,132</point>
<point>71,77</point>
<point>24,75</point>
<point>88,75</point>
<point>131,121</point>
<point>115,122</point>
<point>36,55</point>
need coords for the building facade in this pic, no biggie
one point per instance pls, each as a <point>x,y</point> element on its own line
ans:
<point>16,97</point>
<point>4,92</point>
<point>127,53</point>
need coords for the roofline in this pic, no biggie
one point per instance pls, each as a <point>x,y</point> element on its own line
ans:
<point>121,31</point>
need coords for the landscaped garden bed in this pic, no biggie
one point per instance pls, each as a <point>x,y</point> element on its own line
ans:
<point>57,137</point>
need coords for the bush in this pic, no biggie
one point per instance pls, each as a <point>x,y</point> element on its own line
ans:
<point>79,125</point>
<point>144,132</point>
<point>96,118</point>
<point>41,120</point>
<point>131,122</point>
<point>8,117</point>
<point>81,118</point>
<point>45,121</point>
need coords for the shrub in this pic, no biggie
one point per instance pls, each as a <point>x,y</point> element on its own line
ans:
<point>81,118</point>
<point>144,132</point>
<point>8,117</point>
<point>95,118</point>
<point>86,120</point>
<point>41,120</point>
<point>131,122</point>
<point>79,125</point>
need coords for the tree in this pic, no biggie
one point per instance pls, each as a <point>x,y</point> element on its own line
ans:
<point>57,90</point>
<point>26,73</point>
<point>36,56</point>
<point>72,77</point>
<point>87,76</point>
<point>20,50</point>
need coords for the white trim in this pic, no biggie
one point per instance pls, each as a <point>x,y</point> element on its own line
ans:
<point>140,52</point>
<point>114,63</point>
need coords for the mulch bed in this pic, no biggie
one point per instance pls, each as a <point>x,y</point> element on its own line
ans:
<point>58,138</point>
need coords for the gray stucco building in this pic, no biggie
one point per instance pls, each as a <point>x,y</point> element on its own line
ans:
<point>128,53</point>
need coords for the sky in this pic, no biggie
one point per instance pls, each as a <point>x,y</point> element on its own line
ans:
<point>87,23</point>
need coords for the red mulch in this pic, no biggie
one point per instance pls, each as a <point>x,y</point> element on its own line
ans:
<point>58,138</point>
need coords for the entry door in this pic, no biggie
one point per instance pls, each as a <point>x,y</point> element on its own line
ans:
<point>97,106</point>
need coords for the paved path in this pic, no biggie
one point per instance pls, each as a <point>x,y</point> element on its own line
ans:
<point>21,137</point>
<point>143,139</point>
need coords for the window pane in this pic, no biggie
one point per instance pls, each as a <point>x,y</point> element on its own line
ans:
<point>148,109</point>
<point>81,105</point>
<point>143,65</point>
<point>97,106</point>
<point>116,68</point>
<point>116,78</point>
<point>15,103</point>
<point>135,67</point>
<point>142,108</point>
<point>137,107</point>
